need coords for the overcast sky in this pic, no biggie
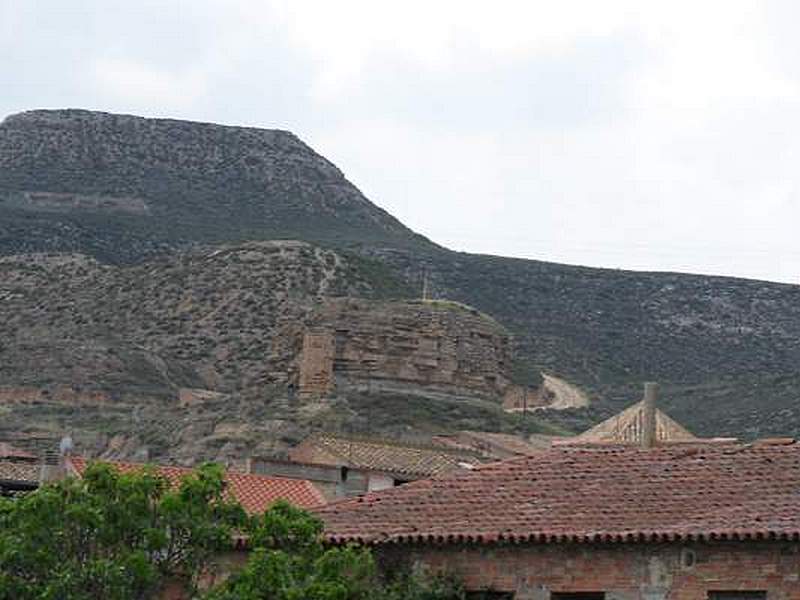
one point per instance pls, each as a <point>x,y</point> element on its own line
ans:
<point>643,134</point>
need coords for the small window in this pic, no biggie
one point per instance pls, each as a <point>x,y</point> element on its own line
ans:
<point>578,596</point>
<point>737,595</point>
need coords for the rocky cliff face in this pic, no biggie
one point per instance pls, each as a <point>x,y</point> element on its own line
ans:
<point>429,349</point>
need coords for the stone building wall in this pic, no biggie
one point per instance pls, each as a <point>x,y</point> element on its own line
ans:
<point>316,364</point>
<point>621,571</point>
<point>441,347</point>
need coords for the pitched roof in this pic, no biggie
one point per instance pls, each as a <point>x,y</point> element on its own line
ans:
<point>18,468</point>
<point>590,493</point>
<point>627,426</point>
<point>254,492</point>
<point>390,457</point>
<point>495,446</point>
<point>19,472</point>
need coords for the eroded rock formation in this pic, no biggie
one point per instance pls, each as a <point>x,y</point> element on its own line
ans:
<point>410,346</point>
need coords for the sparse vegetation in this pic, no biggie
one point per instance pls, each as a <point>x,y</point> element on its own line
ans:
<point>726,351</point>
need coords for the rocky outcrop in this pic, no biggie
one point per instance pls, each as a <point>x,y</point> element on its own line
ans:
<point>412,346</point>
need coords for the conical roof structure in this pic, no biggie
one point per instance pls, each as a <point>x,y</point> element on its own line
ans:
<point>627,428</point>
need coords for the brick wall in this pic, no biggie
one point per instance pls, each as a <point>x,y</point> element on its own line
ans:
<point>623,571</point>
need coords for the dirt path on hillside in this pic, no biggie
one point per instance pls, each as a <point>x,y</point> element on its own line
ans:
<point>566,394</point>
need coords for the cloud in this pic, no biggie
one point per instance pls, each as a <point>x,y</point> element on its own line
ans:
<point>143,86</point>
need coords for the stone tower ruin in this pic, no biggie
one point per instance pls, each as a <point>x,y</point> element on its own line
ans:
<point>425,348</point>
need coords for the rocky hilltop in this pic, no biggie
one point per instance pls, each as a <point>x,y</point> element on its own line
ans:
<point>123,188</point>
<point>141,269</point>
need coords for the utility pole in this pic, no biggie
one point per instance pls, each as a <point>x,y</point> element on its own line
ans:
<point>425,284</point>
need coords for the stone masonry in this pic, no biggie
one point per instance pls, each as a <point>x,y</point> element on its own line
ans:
<point>437,347</point>
<point>316,363</point>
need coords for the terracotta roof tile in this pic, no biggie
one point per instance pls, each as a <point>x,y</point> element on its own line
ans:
<point>19,471</point>
<point>602,493</point>
<point>391,457</point>
<point>254,492</point>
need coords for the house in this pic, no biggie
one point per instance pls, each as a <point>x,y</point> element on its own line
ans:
<point>718,521</point>
<point>342,466</point>
<point>332,481</point>
<point>368,464</point>
<point>254,492</point>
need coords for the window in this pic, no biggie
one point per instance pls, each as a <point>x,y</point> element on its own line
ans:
<point>737,595</point>
<point>578,595</point>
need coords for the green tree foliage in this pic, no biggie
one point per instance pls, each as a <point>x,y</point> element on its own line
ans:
<point>289,562</point>
<point>113,536</point>
<point>125,536</point>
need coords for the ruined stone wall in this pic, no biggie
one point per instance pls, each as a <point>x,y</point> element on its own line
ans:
<point>622,571</point>
<point>316,363</point>
<point>438,346</point>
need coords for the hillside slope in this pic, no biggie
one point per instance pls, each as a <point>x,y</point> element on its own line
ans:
<point>122,188</point>
<point>129,190</point>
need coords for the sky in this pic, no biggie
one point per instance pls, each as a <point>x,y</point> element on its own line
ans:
<point>634,134</point>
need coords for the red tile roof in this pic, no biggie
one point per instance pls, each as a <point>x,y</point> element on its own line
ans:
<point>577,493</point>
<point>254,492</point>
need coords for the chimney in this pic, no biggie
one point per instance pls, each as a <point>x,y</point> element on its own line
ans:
<point>649,415</point>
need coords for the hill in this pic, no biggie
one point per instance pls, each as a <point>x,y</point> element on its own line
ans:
<point>191,356</point>
<point>122,188</point>
<point>110,225</point>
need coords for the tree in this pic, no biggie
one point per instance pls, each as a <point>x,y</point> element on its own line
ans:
<point>290,562</point>
<point>125,536</point>
<point>113,536</point>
